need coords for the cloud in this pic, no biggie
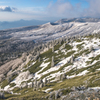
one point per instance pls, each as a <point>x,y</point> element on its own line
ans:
<point>94,8</point>
<point>64,9</point>
<point>54,11</point>
<point>7,9</point>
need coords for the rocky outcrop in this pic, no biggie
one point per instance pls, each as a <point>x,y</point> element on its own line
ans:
<point>2,77</point>
<point>13,64</point>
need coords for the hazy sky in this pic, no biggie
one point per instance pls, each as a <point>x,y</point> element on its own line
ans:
<point>11,10</point>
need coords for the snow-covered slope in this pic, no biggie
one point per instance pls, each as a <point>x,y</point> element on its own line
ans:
<point>49,31</point>
<point>55,30</point>
<point>25,38</point>
<point>74,59</point>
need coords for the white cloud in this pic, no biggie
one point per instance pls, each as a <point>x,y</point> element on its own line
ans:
<point>67,10</point>
<point>54,11</point>
<point>94,8</point>
<point>7,9</point>
<point>63,9</point>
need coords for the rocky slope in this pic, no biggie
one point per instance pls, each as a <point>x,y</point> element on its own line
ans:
<point>64,69</point>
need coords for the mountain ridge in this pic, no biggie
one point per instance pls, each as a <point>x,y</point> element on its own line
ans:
<point>18,38</point>
<point>28,23</point>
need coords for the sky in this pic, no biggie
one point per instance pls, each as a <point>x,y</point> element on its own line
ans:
<point>48,10</point>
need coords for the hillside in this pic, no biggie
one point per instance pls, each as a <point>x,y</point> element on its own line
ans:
<point>67,68</point>
<point>14,42</point>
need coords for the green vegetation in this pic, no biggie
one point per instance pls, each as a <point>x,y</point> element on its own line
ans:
<point>80,70</point>
<point>69,83</point>
<point>79,46</point>
<point>66,91</point>
<point>12,84</point>
<point>70,53</point>
<point>68,47</point>
<point>4,83</point>
<point>48,74</point>
<point>62,67</point>
<point>35,67</point>
<point>90,37</point>
<point>80,53</point>
<point>28,64</point>
<point>16,90</point>
<point>56,59</point>
<point>94,67</point>
<point>48,67</point>
<point>95,58</point>
<point>47,54</point>
<point>77,81</point>
<point>31,95</point>
<point>71,72</point>
<point>56,47</point>
<point>13,77</point>
<point>78,40</point>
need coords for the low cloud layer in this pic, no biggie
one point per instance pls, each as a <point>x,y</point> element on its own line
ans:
<point>7,9</point>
